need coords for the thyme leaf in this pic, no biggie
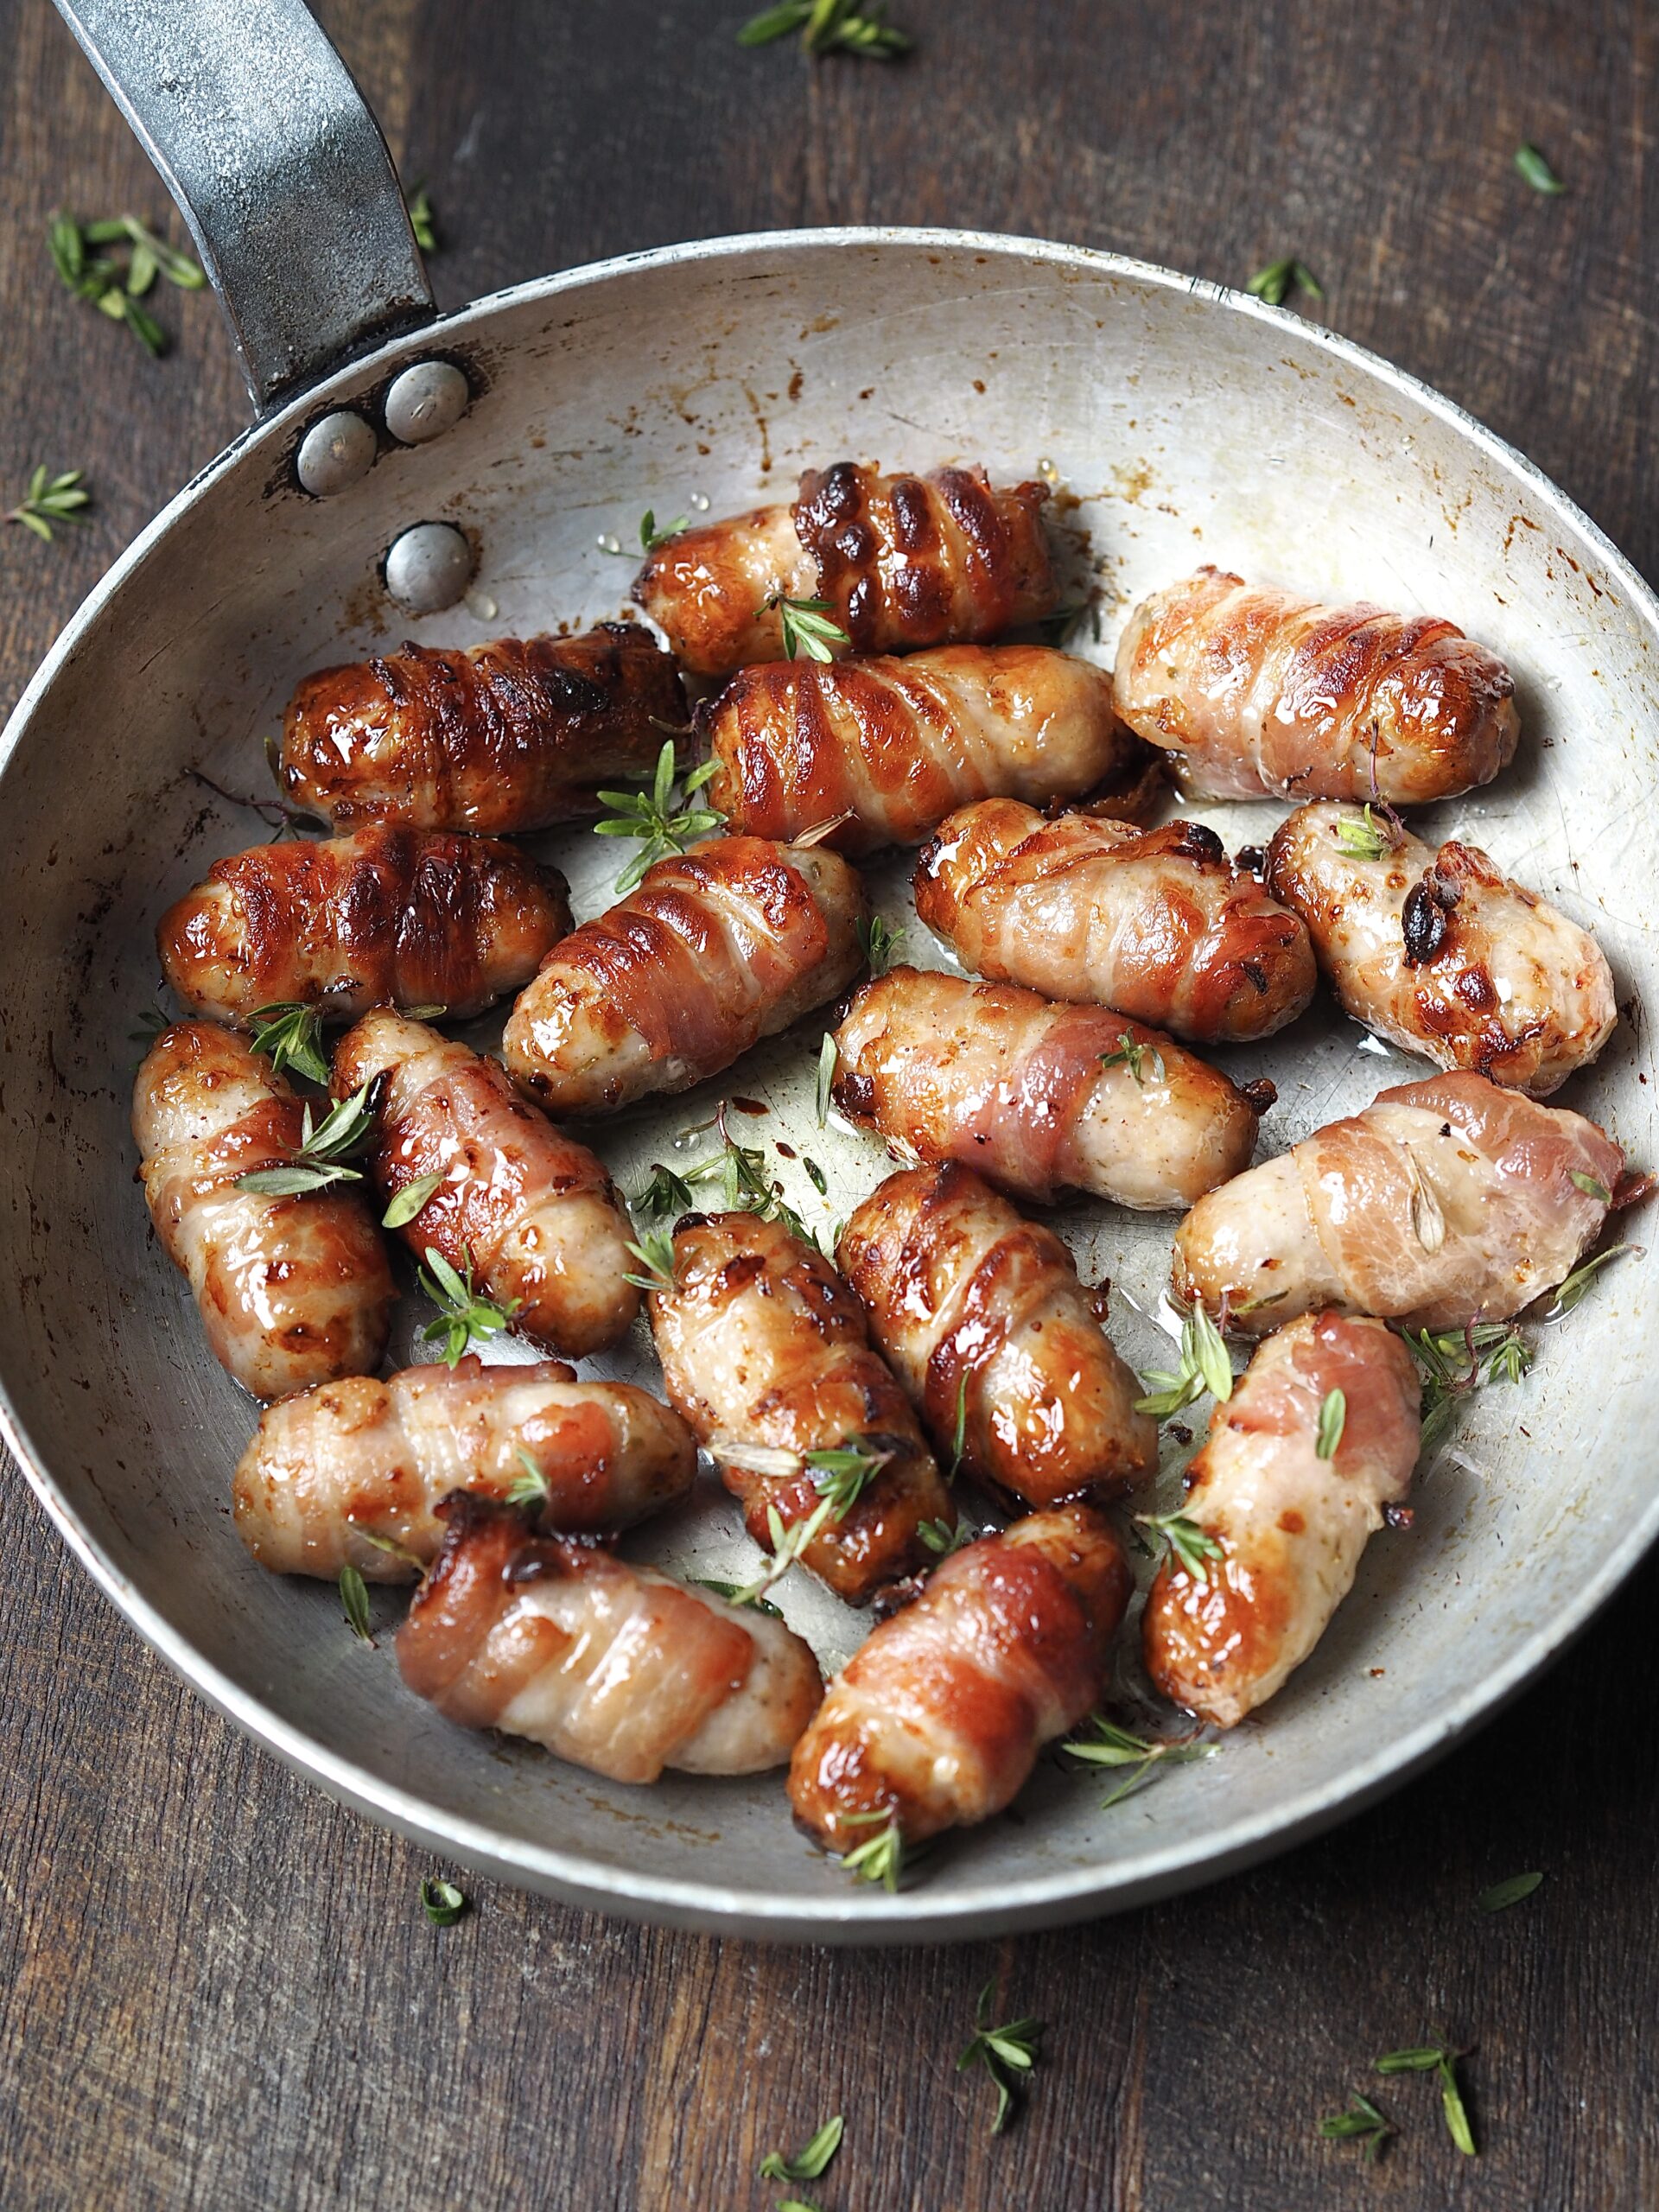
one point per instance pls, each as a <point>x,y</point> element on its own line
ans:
<point>1333,1418</point>
<point>442,1902</point>
<point>810,2160</point>
<point>1278,279</point>
<point>354,1603</point>
<point>1537,172</point>
<point>410,1200</point>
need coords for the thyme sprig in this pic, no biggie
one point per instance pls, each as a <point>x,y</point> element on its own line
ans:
<point>880,942</point>
<point>1364,837</point>
<point>807,626</point>
<point>1204,1365</point>
<point>1190,1545</point>
<point>465,1316</point>
<point>422,220</point>
<point>49,501</point>
<point>880,1858</point>
<point>1111,1745</point>
<point>652,816</point>
<point>655,1253</point>
<point>290,1036</point>
<point>1457,1362</point>
<point>1007,2054</point>
<point>840,1474</point>
<point>829,27</point>
<point>320,1158</point>
<point>1136,1057</point>
<point>1278,279</point>
<point>116,278</point>
<point>746,1185</point>
<point>1361,2123</point>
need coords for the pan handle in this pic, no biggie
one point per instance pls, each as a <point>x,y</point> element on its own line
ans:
<point>264,139</point>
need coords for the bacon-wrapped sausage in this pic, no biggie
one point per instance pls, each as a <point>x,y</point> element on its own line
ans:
<point>936,1720</point>
<point>385,916</point>
<point>293,1291</point>
<point>531,1212</point>
<point>717,948</point>
<point>1290,1525</point>
<point>613,1667</point>
<point>512,736</point>
<point>982,1319</point>
<point>334,1468</point>
<point>1257,690</point>
<point>1157,923</point>
<point>894,745</point>
<point>903,562</point>
<point>1039,1098</point>
<point>1440,952</point>
<point>763,1345</point>
<point>1444,1201</point>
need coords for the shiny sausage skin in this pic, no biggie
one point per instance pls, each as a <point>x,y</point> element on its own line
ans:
<point>1291,1526</point>
<point>293,1291</point>
<point>895,745</point>
<point>1258,691</point>
<point>938,1719</point>
<point>615,1667</point>
<point>981,1315</point>
<point>1019,1090</point>
<point>717,948</point>
<point>335,1466</point>
<point>504,737</point>
<point>1157,923</point>
<point>1443,1202</point>
<point>385,916</point>
<point>902,560</point>
<point>763,1343</point>
<point>532,1212</point>
<point>1442,954</point>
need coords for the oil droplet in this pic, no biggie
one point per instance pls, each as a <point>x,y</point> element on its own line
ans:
<point>481,606</point>
<point>1048,472</point>
<point>607,542</point>
<point>700,501</point>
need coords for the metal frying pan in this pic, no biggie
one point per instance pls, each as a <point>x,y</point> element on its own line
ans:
<point>1190,423</point>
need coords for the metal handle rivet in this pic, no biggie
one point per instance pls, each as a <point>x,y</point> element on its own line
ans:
<point>426,401</point>
<point>335,454</point>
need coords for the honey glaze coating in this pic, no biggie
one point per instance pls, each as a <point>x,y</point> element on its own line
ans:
<point>1157,923</point>
<point>530,1211</point>
<point>1290,1526</point>
<point>383,917</point>
<point>936,1721</point>
<point>1255,691</point>
<point>292,1291</point>
<point>335,1468</point>
<point>886,748</point>
<point>716,949</point>
<point>1036,1098</point>
<point>902,560</point>
<point>1441,953</point>
<point>510,736</point>
<point>985,1322</point>
<point>615,1667</point>
<point>763,1343</point>
<point>1443,1202</point>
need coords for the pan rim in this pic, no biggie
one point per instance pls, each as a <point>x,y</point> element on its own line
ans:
<point>843,1915</point>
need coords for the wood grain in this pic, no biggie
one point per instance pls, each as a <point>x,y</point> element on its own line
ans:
<point>220,1992</point>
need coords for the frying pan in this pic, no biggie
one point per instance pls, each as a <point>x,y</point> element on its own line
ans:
<point>1187,423</point>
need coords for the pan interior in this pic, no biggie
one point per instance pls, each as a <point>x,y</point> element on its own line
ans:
<point>1180,429</point>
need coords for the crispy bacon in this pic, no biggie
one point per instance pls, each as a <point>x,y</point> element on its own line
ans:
<point>763,1343</point>
<point>503,737</point>
<point>1290,1526</point>
<point>1508,985</point>
<point>293,1291</point>
<point>1260,690</point>
<point>936,1721</point>
<point>983,1320</point>
<point>530,1211</point>
<point>335,1468</point>
<point>1157,923</point>
<point>385,916</point>
<point>1036,1098</point>
<point>1443,1202</point>
<point>612,1667</point>
<point>902,561</point>
<point>717,948</point>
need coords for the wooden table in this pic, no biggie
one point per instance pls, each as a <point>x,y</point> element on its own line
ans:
<point>220,1992</point>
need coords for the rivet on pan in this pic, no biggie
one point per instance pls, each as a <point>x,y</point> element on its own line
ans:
<point>335,454</point>
<point>426,401</point>
<point>428,567</point>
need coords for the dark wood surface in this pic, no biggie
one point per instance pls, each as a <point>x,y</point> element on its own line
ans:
<point>217,1991</point>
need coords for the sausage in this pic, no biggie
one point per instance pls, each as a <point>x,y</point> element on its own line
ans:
<point>1440,953</point>
<point>1037,1098</point>
<point>1444,1201</point>
<point>717,948</point>
<point>1289,1526</point>
<point>1157,923</point>
<point>902,562</point>
<point>1261,691</point>
<point>894,745</point>
<point>981,1317</point>
<point>763,1343</point>
<point>293,1291</point>
<point>936,1721</point>
<point>530,1211</point>
<point>385,916</point>
<point>335,1467</point>
<point>613,1667</point>
<point>504,737</point>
